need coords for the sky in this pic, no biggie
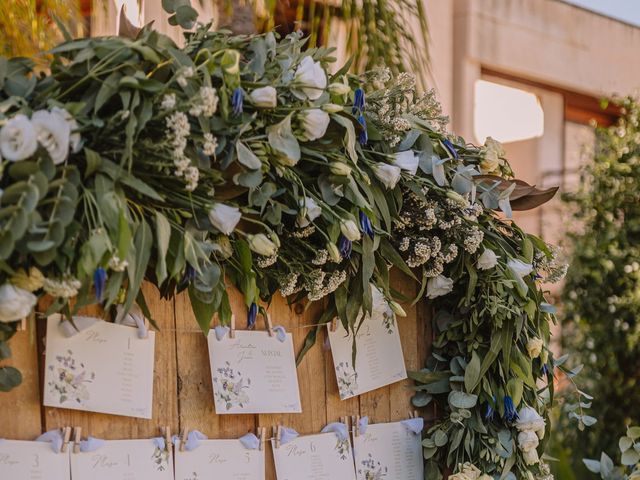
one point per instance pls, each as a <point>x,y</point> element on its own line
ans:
<point>625,10</point>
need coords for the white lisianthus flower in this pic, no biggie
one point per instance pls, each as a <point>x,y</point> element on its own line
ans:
<point>224,217</point>
<point>350,230</point>
<point>493,151</point>
<point>534,347</point>
<point>438,286</point>
<point>262,245</point>
<point>75,140</point>
<point>339,88</point>
<point>15,303</point>
<point>266,97</point>
<point>389,175</point>
<point>407,160</point>
<point>528,442</point>
<point>310,80</point>
<point>54,134</point>
<point>530,420</point>
<point>314,122</point>
<point>18,139</point>
<point>332,107</point>
<point>309,211</point>
<point>519,268</point>
<point>487,260</point>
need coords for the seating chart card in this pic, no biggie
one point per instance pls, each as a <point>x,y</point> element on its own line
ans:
<point>388,450</point>
<point>123,460</point>
<point>379,358</point>
<point>254,373</point>
<point>32,461</point>
<point>104,368</point>
<point>227,459</point>
<point>314,457</point>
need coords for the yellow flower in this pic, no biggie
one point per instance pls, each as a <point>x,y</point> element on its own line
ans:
<point>534,347</point>
<point>31,281</point>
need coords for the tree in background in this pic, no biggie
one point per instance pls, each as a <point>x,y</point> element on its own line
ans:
<point>602,292</point>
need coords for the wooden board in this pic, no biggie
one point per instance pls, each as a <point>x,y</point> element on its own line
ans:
<point>183,396</point>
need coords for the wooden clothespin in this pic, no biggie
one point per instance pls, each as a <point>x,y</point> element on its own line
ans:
<point>183,438</point>
<point>269,325</point>
<point>77,435</point>
<point>232,329</point>
<point>166,433</point>
<point>23,325</point>
<point>356,426</point>
<point>278,435</point>
<point>333,326</point>
<point>146,327</point>
<point>262,435</point>
<point>66,437</point>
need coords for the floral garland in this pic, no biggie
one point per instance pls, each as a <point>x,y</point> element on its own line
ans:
<point>242,158</point>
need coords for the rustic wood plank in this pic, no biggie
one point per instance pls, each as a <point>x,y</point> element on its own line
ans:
<point>20,417</point>
<point>165,407</point>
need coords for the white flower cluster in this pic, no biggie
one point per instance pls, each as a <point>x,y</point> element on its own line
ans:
<point>531,427</point>
<point>289,284</point>
<point>178,131</point>
<point>117,264</point>
<point>210,144</point>
<point>553,268</point>
<point>264,262</point>
<point>319,284</point>
<point>66,287</point>
<point>473,239</point>
<point>184,75</point>
<point>205,103</point>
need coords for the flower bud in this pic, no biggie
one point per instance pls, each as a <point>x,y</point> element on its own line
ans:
<point>350,230</point>
<point>334,253</point>
<point>456,197</point>
<point>332,107</point>
<point>339,88</point>
<point>266,97</point>
<point>397,309</point>
<point>261,244</point>
<point>340,168</point>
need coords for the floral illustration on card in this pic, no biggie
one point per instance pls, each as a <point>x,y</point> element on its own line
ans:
<point>70,379</point>
<point>160,458</point>
<point>230,387</point>
<point>347,379</point>
<point>388,320</point>
<point>343,448</point>
<point>371,469</point>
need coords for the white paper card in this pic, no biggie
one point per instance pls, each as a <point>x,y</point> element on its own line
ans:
<point>227,459</point>
<point>32,461</point>
<point>254,373</point>
<point>105,368</point>
<point>123,460</point>
<point>379,359</point>
<point>388,450</point>
<point>314,457</point>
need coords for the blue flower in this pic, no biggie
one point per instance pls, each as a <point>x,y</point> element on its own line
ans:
<point>365,224</point>
<point>252,315</point>
<point>99,282</point>
<point>358,102</point>
<point>188,277</point>
<point>236,101</point>
<point>447,143</point>
<point>345,246</point>
<point>363,137</point>
<point>510,413</point>
<point>545,369</point>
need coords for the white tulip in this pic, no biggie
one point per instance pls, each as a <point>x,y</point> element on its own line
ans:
<point>389,175</point>
<point>310,210</point>
<point>310,80</point>
<point>15,303</point>
<point>266,97</point>
<point>54,134</point>
<point>487,260</point>
<point>18,139</point>
<point>519,268</point>
<point>407,160</point>
<point>262,245</point>
<point>224,217</point>
<point>350,230</point>
<point>75,140</point>
<point>315,123</point>
<point>438,286</point>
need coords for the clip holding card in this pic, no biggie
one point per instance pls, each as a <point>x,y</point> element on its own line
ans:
<point>356,426</point>
<point>232,331</point>
<point>183,438</point>
<point>22,326</point>
<point>269,325</point>
<point>277,433</point>
<point>77,435</point>
<point>262,435</point>
<point>166,432</point>
<point>333,326</point>
<point>66,438</point>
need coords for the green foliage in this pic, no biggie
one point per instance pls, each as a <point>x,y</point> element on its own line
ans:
<point>602,291</point>
<point>629,446</point>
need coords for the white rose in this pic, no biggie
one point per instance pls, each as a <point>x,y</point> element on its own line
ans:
<point>530,420</point>
<point>264,97</point>
<point>75,140</point>
<point>493,150</point>
<point>262,245</point>
<point>350,230</point>
<point>54,134</point>
<point>487,260</point>
<point>528,440</point>
<point>470,470</point>
<point>534,347</point>
<point>407,160</point>
<point>310,211</point>
<point>438,286</point>
<point>310,80</point>
<point>519,268</point>
<point>18,139</point>
<point>315,123</point>
<point>224,217</point>
<point>389,175</point>
<point>15,303</point>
